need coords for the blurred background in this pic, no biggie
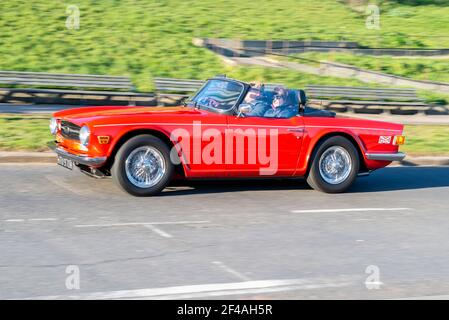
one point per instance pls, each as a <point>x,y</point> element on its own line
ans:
<point>146,39</point>
<point>369,45</point>
<point>384,60</point>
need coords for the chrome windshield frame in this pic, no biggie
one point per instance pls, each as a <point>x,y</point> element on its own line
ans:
<point>244,85</point>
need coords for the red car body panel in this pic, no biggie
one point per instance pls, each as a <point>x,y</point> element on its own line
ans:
<point>297,137</point>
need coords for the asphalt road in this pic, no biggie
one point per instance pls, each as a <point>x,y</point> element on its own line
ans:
<point>255,239</point>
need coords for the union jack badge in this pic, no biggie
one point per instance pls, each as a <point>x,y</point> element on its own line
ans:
<point>385,139</point>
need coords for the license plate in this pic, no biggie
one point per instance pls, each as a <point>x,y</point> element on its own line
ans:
<point>66,163</point>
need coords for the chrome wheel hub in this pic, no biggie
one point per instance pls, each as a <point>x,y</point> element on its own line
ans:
<point>145,167</point>
<point>335,165</point>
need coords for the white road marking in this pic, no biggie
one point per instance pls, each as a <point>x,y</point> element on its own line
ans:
<point>138,224</point>
<point>377,283</point>
<point>60,183</point>
<point>237,274</point>
<point>440,297</point>
<point>158,231</point>
<point>214,289</point>
<point>26,164</point>
<point>30,220</point>
<point>348,210</point>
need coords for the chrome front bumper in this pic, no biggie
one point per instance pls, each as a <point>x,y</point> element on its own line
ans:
<point>88,161</point>
<point>398,156</point>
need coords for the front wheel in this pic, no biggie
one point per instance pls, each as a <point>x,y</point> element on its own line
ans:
<point>335,165</point>
<point>142,166</point>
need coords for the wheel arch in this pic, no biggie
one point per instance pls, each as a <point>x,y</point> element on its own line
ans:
<point>164,137</point>
<point>353,139</point>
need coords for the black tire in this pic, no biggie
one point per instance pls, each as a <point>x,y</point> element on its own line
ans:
<point>315,178</point>
<point>118,170</point>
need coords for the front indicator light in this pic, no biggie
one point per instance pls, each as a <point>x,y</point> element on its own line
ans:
<point>103,139</point>
<point>399,140</point>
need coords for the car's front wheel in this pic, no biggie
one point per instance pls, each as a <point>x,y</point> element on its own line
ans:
<point>142,166</point>
<point>335,165</point>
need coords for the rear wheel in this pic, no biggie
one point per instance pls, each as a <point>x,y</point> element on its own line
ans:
<point>142,166</point>
<point>335,165</point>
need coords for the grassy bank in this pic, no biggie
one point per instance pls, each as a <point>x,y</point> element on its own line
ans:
<point>424,68</point>
<point>30,132</point>
<point>420,68</point>
<point>24,132</point>
<point>426,140</point>
<point>145,39</point>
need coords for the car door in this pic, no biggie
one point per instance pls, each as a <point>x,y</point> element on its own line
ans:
<point>271,146</point>
<point>204,146</point>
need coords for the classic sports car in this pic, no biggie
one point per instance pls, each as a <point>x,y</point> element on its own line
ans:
<point>228,129</point>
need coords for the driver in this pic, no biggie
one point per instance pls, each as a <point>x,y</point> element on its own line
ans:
<point>256,99</point>
<point>282,106</point>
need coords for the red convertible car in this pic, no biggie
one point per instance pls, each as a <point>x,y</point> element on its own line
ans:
<point>228,129</point>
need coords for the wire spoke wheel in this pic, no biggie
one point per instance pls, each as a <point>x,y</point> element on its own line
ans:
<point>335,165</point>
<point>145,167</point>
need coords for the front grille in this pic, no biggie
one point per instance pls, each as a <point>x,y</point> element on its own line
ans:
<point>70,130</point>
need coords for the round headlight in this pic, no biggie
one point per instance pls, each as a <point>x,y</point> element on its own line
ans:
<point>53,126</point>
<point>84,135</point>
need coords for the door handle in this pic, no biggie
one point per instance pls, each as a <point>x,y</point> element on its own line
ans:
<point>295,130</point>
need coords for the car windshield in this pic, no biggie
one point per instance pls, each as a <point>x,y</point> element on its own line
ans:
<point>219,95</point>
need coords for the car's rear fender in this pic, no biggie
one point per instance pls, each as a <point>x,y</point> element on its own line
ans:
<point>311,141</point>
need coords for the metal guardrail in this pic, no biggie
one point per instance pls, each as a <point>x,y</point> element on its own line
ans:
<point>248,48</point>
<point>338,98</point>
<point>76,97</point>
<point>358,93</point>
<point>177,85</point>
<point>77,89</point>
<point>169,91</point>
<point>41,79</point>
<point>367,100</point>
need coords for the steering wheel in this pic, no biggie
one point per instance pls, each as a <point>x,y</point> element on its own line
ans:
<point>211,102</point>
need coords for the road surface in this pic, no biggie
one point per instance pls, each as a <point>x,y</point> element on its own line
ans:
<point>386,238</point>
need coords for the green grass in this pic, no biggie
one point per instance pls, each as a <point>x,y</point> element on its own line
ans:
<point>426,140</point>
<point>145,39</point>
<point>24,133</point>
<point>31,133</point>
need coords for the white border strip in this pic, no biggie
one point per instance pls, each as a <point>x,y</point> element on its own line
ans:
<point>138,224</point>
<point>349,210</point>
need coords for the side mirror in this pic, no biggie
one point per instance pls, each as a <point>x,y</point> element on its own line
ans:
<point>243,108</point>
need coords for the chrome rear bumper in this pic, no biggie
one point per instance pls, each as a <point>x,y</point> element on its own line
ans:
<point>398,156</point>
<point>88,161</point>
